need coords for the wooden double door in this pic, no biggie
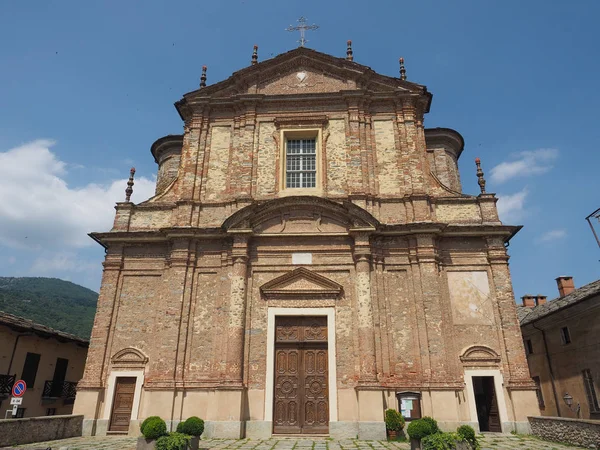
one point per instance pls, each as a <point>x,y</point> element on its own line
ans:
<point>301,397</point>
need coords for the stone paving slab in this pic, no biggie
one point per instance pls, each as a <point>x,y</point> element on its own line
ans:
<point>489,441</point>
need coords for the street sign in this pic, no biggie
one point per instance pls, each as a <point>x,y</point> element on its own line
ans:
<point>15,408</point>
<point>16,401</point>
<point>19,388</point>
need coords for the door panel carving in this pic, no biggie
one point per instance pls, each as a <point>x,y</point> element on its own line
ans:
<point>301,400</point>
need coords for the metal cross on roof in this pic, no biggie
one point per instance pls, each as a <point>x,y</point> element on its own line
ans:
<point>302,28</point>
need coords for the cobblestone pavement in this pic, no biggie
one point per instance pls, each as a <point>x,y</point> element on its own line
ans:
<point>489,441</point>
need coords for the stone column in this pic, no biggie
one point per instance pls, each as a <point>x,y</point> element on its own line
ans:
<point>237,311</point>
<point>366,336</point>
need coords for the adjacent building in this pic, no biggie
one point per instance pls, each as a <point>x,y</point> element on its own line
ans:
<point>309,260</point>
<point>49,361</point>
<point>562,341</point>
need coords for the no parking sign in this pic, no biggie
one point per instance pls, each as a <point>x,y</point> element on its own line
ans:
<point>19,388</point>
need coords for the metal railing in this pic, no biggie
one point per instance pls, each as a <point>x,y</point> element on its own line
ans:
<point>6,384</point>
<point>59,389</point>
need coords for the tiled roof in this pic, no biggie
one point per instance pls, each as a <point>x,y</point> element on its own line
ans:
<point>522,312</point>
<point>578,295</point>
<point>21,324</point>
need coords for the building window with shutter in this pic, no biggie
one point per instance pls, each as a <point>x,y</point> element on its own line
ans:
<point>538,392</point>
<point>590,391</point>
<point>30,368</point>
<point>565,336</point>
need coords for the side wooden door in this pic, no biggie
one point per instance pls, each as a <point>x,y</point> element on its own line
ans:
<point>122,404</point>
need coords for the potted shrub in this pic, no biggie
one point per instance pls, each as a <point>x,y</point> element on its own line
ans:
<point>173,441</point>
<point>467,435</point>
<point>394,422</point>
<point>152,428</point>
<point>420,428</point>
<point>194,427</point>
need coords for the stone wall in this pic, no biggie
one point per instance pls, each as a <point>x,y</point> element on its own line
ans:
<point>573,431</point>
<point>38,429</point>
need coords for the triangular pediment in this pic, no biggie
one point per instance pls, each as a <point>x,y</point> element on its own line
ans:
<point>303,71</point>
<point>301,283</point>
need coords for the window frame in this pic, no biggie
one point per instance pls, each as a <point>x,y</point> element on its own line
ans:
<point>528,347</point>
<point>590,391</point>
<point>565,336</point>
<point>300,133</point>
<point>30,379</point>
<point>538,392</point>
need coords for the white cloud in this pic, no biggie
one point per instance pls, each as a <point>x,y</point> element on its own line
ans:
<point>552,235</point>
<point>526,163</point>
<point>39,210</point>
<point>511,207</point>
<point>63,261</point>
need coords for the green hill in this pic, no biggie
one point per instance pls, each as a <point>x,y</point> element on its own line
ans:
<point>58,304</point>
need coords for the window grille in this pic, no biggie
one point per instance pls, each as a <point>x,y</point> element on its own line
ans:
<point>301,163</point>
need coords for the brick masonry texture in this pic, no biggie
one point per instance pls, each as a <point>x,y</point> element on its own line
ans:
<point>387,222</point>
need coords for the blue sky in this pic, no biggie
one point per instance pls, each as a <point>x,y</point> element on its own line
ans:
<point>86,87</point>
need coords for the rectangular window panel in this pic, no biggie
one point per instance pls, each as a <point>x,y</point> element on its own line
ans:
<point>301,163</point>
<point>565,336</point>
<point>538,392</point>
<point>528,347</point>
<point>590,391</point>
<point>30,368</point>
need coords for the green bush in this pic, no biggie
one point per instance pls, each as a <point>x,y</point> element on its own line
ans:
<point>154,428</point>
<point>432,423</point>
<point>467,433</point>
<point>180,427</point>
<point>440,441</point>
<point>173,441</point>
<point>145,422</point>
<point>420,428</point>
<point>393,420</point>
<point>194,426</point>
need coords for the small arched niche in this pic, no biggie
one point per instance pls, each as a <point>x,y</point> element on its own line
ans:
<point>129,357</point>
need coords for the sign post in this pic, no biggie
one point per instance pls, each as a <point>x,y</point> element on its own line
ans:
<point>18,390</point>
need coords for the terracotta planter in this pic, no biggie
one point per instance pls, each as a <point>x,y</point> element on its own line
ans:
<point>145,444</point>
<point>415,444</point>
<point>392,435</point>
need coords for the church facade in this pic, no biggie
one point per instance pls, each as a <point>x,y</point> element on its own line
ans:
<point>309,260</point>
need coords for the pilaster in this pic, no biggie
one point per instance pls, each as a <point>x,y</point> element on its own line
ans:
<point>237,310</point>
<point>514,360</point>
<point>366,338</point>
<point>97,358</point>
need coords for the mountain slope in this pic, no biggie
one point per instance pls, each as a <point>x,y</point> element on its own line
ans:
<point>58,304</point>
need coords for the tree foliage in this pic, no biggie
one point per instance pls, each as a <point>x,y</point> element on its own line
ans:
<point>58,304</point>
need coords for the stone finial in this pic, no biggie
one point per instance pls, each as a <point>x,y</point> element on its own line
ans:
<point>255,55</point>
<point>203,77</point>
<point>402,69</point>
<point>129,189</point>
<point>349,55</point>
<point>480,179</point>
